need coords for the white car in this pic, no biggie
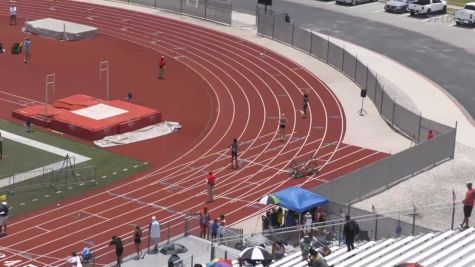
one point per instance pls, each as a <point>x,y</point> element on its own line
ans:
<point>399,6</point>
<point>427,7</point>
<point>353,2</point>
<point>466,15</point>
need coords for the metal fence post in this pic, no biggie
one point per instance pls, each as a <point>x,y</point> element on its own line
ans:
<point>311,42</point>
<point>168,233</point>
<point>206,9</point>
<point>186,225</point>
<point>367,75</point>
<point>212,251</point>
<point>453,210</point>
<point>343,60</point>
<point>455,140</point>
<point>273,26</point>
<point>226,254</point>
<point>382,97</point>
<point>293,29</point>
<point>413,218</point>
<point>328,47</point>
<point>394,110</point>
<point>356,67</point>
<point>419,130</point>
<point>376,227</point>
<point>192,260</point>
<point>181,6</point>
<point>375,85</point>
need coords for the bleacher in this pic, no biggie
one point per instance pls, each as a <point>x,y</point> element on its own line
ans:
<point>449,248</point>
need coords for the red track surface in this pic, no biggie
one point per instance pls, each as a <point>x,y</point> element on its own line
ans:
<point>248,90</point>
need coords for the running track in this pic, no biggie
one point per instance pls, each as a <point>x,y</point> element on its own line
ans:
<point>251,86</point>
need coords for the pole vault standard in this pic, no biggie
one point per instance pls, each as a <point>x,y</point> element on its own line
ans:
<point>104,67</point>
<point>50,79</point>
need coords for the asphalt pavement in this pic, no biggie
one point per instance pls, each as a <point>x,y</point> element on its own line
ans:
<point>433,46</point>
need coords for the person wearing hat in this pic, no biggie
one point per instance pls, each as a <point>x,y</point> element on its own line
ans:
<point>468,205</point>
<point>26,46</point>
<point>86,256</point>
<point>282,123</point>
<point>162,65</point>
<point>4,217</point>
<point>154,232</point>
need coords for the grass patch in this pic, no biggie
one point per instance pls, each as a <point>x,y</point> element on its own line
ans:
<point>106,164</point>
<point>19,158</point>
<point>459,3</point>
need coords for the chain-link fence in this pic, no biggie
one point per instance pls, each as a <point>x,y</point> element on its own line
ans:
<point>213,10</point>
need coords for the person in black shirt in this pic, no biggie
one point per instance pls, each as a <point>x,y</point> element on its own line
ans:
<point>351,230</point>
<point>119,248</point>
<point>234,154</point>
<point>138,240</point>
<point>305,106</point>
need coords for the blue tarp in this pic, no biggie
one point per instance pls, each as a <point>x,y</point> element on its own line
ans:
<point>299,199</point>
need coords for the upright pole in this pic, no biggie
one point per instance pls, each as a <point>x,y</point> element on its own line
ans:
<point>50,79</point>
<point>453,210</point>
<point>104,67</point>
<point>413,219</point>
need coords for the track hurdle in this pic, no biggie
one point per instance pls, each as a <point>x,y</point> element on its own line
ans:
<point>50,80</point>
<point>104,67</point>
<point>179,52</point>
<point>91,13</point>
<point>155,38</point>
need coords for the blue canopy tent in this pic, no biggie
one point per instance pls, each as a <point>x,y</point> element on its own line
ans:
<point>299,199</point>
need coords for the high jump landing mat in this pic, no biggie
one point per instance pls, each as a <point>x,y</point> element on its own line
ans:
<point>90,118</point>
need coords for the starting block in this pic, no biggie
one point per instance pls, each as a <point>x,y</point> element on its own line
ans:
<point>90,13</point>
<point>179,52</point>
<point>124,24</point>
<point>155,38</point>
<point>299,169</point>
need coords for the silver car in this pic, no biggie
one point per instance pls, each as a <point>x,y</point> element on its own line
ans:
<point>353,2</point>
<point>399,6</point>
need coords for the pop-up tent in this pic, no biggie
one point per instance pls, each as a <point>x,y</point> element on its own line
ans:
<point>299,199</point>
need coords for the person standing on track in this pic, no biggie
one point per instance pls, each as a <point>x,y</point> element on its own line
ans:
<point>119,248</point>
<point>138,240</point>
<point>204,220</point>
<point>26,46</point>
<point>234,154</point>
<point>154,232</point>
<point>282,123</point>
<point>305,106</point>
<point>4,209</point>
<point>468,203</point>
<point>12,15</point>
<point>210,185</point>
<point>162,66</point>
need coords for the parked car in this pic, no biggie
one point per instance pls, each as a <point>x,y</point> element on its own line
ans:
<point>353,2</point>
<point>427,7</point>
<point>466,15</point>
<point>399,6</point>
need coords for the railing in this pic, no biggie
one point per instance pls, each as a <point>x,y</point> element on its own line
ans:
<point>390,170</point>
<point>212,10</point>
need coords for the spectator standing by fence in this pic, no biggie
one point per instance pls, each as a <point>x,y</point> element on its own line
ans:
<point>12,15</point>
<point>234,154</point>
<point>210,181</point>
<point>162,66</point>
<point>138,240</point>
<point>430,135</point>
<point>286,17</point>
<point>214,229</point>
<point>308,220</point>
<point>351,230</point>
<point>154,232</point>
<point>222,226</point>
<point>26,46</point>
<point>204,219</point>
<point>468,203</point>
<point>119,248</point>
<point>75,260</point>
<point>1,146</point>
<point>4,210</point>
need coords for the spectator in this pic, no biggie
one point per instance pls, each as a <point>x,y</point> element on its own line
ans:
<point>280,217</point>
<point>86,256</point>
<point>4,210</point>
<point>75,260</point>
<point>305,106</point>
<point>351,230</point>
<point>175,261</point>
<point>214,229</point>
<point>290,219</point>
<point>154,232</point>
<point>305,244</point>
<point>278,250</point>
<point>321,218</point>
<point>210,185</point>
<point>204,219</point>
<point>12,15</point>
<point>222,226</point>
<point>430,135</point>
<point>162,65</point>
<point>138,240</point>
<point>286,17</point>
<point>26,46</point>
<point>468,204</point>
<point>308,220</point>
<point>119,248</point>
<point>315,260</point>
<point>273,218</point>
<point>265,221</point>
<point>234,154</point>
<point>325,250</point>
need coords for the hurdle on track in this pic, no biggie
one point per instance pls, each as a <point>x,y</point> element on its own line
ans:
<point>52,4</point>
<point>124,24</point>
<point>50,80</point>
<point>155,38</point>
<point>179,52</point>
<point>90,13</point>
<point>104,67</point>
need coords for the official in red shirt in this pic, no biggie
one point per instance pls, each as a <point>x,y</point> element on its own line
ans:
<point>468,204</point>
<point>430,135</point>
<point>210,184</point>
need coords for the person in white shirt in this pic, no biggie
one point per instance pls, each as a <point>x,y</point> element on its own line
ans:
<point>75,260</point>
<point>154,231</point>
<point>12,15</point>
